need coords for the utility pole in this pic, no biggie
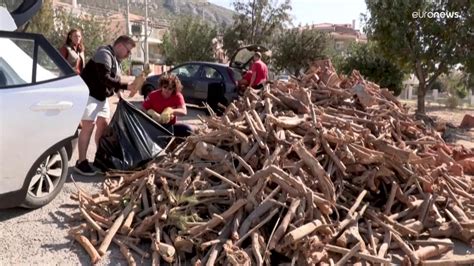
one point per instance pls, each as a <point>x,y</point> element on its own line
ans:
<point>145,57</point>
<point>128,17</point>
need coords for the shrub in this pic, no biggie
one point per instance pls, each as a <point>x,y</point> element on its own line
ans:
<point>452,101</point>
<point>373,66</point>
<point>461,91</point>
<point>438,85</point>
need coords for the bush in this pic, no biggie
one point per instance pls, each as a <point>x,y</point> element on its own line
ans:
<point>438,85</point>
<point>455,84</point>
<point>452,102</point>
<point>373,66</point>
<point>461,92</point>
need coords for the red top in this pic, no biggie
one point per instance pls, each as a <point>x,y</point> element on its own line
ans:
<point>157,102</point>
<point>248,76</point>
<point>261,71</point>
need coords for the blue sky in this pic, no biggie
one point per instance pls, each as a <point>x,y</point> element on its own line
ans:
<point>319,11</point>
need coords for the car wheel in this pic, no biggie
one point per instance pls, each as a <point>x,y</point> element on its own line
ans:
<point>46,179</point>
<point>146,89</point>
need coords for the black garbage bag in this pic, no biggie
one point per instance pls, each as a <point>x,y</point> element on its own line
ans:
<point>130,140</point>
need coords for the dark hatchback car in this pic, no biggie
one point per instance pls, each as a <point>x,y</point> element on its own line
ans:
<point>207,82</point>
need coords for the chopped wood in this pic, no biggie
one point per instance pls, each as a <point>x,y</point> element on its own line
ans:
<point>86,244</point>
<point>348,255</point>
<point>364,256</point>
<point>302,169</point>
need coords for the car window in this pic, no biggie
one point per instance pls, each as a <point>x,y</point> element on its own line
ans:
<point>46,67</point>
<point>211,73</point>
<point>185,71</point>
<point>17,60</point>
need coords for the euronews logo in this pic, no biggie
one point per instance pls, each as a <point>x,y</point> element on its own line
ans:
<point>436,14</point>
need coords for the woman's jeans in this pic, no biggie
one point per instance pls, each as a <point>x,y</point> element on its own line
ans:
<point>179,130</point>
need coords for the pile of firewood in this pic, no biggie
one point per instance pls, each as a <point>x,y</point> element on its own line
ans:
<point>322,170</point>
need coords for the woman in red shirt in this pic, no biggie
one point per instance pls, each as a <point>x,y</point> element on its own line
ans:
<point>166,103</point>
<point>73,50</point>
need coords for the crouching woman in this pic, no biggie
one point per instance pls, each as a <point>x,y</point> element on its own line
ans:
<point>166,103</point>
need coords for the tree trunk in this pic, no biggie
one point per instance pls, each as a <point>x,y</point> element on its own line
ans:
<point>420,106</point>
<point>421,98</point>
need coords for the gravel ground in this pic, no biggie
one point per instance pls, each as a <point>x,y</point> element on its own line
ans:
<point>39,237</point>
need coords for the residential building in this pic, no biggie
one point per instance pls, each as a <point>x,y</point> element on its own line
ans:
<point>342,35</point>
<point>156,31</point>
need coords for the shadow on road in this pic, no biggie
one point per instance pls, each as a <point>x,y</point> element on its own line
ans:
<point>7,214</point>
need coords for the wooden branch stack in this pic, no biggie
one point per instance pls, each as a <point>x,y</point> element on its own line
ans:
<point>326,170</point>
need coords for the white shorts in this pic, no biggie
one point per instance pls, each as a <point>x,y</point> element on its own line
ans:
<point>96,108</point>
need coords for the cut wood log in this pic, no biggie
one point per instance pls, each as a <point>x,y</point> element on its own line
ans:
<point>367,257</point>
<point>217,220</point>
<point>90,249</point>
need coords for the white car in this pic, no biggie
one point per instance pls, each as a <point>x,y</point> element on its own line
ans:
<point>41,101</point>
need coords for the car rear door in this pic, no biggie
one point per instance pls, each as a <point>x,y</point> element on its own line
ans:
<point>187,74</point>
<point>41,101</point>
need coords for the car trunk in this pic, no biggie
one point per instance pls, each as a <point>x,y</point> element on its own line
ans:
<point>243,57</point>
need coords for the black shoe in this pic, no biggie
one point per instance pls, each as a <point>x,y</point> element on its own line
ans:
<point>98,167</point>
<point>84,168</point>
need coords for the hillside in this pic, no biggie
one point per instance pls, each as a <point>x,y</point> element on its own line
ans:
<point>166,9</point>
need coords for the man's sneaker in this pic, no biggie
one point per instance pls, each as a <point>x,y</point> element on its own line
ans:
<point>98,167</point>
<point>84,168</point>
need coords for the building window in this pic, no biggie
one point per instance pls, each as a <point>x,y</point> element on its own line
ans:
<point>339,45</point>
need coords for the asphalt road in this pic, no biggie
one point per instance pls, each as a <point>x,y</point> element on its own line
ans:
<point>39,237</point>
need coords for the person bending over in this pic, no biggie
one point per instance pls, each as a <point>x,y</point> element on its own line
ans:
<point>166,103</point>
<point>259,72</point>
<point>102,75</point>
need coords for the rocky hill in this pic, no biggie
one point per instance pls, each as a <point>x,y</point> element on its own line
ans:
<point>166,9</point>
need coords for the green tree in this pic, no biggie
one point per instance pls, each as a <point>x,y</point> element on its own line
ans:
<point>429,45</point>
<point>455,84</point>
<point>337,58</point>
<point>371,64</point>
<point>438,85</point>
<point>296,48</point>
<point>43,21</point>
<point>189,39</point>
<point>256,22</point>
